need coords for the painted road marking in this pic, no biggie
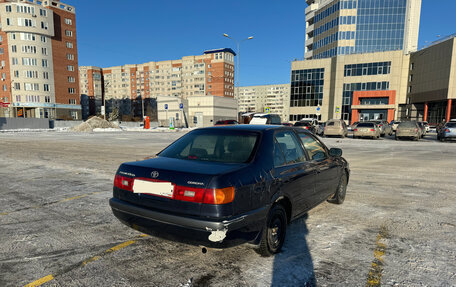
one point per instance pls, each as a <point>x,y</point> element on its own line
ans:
<point>376,269</point>
<point>84,263</point>
<point>52,202</point>
<point>40,281</point>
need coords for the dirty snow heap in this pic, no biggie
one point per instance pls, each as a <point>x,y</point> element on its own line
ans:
<point>94,123</point>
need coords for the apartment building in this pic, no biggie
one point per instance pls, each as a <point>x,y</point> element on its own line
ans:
<point>342,27</point>
<point>275,98</point>
<point>210,74</point>
<point>91,87</point>
<point>39,60</point>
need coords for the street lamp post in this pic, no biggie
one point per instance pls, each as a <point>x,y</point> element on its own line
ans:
<point>237,60</point>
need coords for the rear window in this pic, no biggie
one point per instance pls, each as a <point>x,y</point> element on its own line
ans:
<point>331,124</point>
<point>302,124</point>
<point>451,125</point>
<point>365,125</point>
<point>407,124</point>
<point>213,145</point>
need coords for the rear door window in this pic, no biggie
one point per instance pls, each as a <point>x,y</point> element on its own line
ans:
<point>290,147</point>
<point>314,147</point>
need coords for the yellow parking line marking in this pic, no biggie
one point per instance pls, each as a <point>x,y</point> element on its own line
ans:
<point>376,269</point>
<point>40,281</point>
<point>87,261</point>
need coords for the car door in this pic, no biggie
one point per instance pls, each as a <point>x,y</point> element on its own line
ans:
<point>327,168</point>
<point>293,174</point>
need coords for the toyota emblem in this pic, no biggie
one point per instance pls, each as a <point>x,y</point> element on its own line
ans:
<point>154,174</point>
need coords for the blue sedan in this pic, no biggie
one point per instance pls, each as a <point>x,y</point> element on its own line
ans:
<point>227,185</point>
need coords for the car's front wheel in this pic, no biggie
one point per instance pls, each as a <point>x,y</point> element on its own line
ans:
<point>274,231</point>
<point>339,196</point>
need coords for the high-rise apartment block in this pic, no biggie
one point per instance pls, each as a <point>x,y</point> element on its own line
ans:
<point>275,98</point>
<point>210,74</point>
<point>39,59</point>
<point>341,27</point>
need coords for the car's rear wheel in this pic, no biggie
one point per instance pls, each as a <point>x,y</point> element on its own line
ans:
<point>274,231</point>
<point>341,191</point>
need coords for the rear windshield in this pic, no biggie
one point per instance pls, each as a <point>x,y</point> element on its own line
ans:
<point>451,125</point>
<point>407,124</point>
<point>366,125</point>
<point>213,145</point>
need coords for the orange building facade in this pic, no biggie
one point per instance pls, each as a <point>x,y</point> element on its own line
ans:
<point>373,105</point>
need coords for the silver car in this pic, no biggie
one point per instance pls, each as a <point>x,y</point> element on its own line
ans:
<point>336,127</point>
<point>409,129</point>
<point>366,129</point>
<point>448,132</point>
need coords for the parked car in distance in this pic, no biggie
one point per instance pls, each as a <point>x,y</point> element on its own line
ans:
<point>313,121</point>
<point>385,128</point>
<point>226,185</point>
<point>266,119</point>
<point>226,122</point>
<point>353,126</point>
<point>448,132</point>
<point>336,127</point>
<point>394,125</point>
<point>426,125</point>
<point>408,129</point>
<point>423,129</point>
<point>287,124</point>
<point>320,128</point>
<point>305,125</point>
<point>366,129</point>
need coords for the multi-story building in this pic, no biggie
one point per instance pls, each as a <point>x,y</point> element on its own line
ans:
<point>210,74</point>
<point>431,91</point>
<point>341,27</point>
<point>91,87</point>
<point>39,60</point>
<point>258,98</point>
<point>357,59</point>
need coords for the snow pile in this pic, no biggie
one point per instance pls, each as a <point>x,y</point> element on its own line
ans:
<point>94,123</point>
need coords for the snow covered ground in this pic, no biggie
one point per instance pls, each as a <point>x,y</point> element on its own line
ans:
<point>396,226</point>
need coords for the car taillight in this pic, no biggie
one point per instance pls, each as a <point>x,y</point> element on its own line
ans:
<point>447,130</point>
<point>380,125</point>
<point>204,195</point>
<point>416,130</point>
<point>123,182</point>
<point>356,130</point>
<point>306,128</point>
<point>372,130</point>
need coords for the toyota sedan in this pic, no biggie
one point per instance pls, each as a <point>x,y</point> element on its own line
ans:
<point>222,186</point>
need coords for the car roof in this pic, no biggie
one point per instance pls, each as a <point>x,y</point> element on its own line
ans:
<point>248,127</point>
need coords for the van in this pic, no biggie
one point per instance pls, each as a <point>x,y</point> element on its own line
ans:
<point>266,119</point>
<point>336,127</point>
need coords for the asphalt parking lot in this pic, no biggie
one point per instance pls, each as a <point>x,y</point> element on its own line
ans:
<point>396,227</point>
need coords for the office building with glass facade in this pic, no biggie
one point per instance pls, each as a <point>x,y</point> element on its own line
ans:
<point>341,27</point>
<point>349,87</point>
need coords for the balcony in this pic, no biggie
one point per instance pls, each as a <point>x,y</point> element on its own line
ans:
<point>310,28</point>
<point>309,42</point>
<point>311,8</point>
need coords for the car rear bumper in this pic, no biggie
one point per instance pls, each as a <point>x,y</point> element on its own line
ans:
<point>236,230</point>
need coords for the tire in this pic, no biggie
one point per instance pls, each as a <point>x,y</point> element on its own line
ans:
<point>341,191</point>
<point>273,235</point>
<point>396,137</point>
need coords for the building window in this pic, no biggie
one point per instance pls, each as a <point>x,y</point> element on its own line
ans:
<point>46,75</point>
<point>71,91</point>
<point>15,61</point>
<point>13,48</point>
<point>43,12</point>
<point>5,88</point>
<point>70,57</point>
<point>1,51</point>
<point>8,23</point>
<point>409,89</point>
<point>44,25</point>
<point>71,79</point>
<point>47,99</point>
<point>70,68</point>
<point>412,65</point>
<point>45,62</point>
<point>69,45</point>
<point>44,51</point>
<point>17,86</point>
<point>8,8</point>
<point>68,21</point>
<point>46,88</point>
<point>16,74</point>
<point>43,39</point>
<point>68,33</point>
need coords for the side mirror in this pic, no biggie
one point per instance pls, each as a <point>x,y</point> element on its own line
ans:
<point>335,152</point>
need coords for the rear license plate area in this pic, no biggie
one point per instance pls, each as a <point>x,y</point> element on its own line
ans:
<point>164,189</point>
